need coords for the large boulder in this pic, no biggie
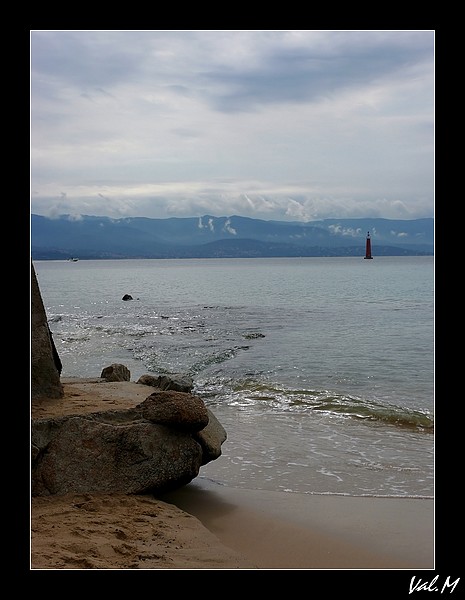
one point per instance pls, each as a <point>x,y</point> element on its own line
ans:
<point>45,362</point>
<point>131,451</point>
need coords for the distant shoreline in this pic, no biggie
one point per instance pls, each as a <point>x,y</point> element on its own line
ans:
<point>93,237</point>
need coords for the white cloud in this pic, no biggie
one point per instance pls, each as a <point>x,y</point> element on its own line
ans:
<point>227,227</point>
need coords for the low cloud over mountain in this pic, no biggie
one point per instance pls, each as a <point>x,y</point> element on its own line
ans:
<point>234,236</point>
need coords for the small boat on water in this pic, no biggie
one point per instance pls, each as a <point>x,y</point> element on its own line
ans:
<point>73,259</point>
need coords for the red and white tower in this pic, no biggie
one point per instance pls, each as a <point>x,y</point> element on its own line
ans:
<point>368,247</point>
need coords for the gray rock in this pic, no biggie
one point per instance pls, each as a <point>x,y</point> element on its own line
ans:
<point>211,438</point>
<point>177,382</point>
<point>122,451</point>
<point>179,410</point>
<point>84,454</point>
<point>45,362</point>
<point>116,372</point>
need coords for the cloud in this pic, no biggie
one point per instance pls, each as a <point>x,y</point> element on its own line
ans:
<point>344,231</point>
<point>227,227</point>
<point>293,125</point>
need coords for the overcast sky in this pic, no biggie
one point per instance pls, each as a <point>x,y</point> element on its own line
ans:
<point>270,124</point>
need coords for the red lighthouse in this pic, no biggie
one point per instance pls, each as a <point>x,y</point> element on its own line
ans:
<point>368,247</point>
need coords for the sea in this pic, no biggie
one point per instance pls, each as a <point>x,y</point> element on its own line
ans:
<point>321,370</point>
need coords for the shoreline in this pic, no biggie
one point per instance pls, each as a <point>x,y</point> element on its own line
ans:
<point>282,530</point>
<point>205,525</point>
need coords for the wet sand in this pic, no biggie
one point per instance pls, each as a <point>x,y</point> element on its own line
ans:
<point>280,530</point>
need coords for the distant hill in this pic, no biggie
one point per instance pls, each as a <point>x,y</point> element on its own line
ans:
<point>209,237</point>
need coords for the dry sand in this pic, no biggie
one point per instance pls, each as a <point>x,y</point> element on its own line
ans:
<point>207,526</point>
<point>103,531</point>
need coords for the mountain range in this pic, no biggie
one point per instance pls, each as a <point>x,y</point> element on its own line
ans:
<point>92,237</point>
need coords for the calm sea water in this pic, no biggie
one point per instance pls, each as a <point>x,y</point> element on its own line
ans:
<point>321,370</point>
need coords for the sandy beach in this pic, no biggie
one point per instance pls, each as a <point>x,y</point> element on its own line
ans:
<point>208,526</point>
<point>279,530</point>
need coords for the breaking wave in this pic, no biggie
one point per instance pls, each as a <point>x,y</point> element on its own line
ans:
<point>250,391</point>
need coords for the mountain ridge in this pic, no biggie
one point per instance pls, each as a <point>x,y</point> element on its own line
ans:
<point>207,236</point>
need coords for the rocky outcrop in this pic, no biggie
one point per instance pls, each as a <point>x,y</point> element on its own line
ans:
<point>45,362</point>
<point>158,445</point>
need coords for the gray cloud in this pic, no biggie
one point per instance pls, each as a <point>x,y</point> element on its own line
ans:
<point>308,71</point>
<point>273,124</point>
